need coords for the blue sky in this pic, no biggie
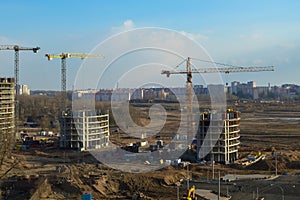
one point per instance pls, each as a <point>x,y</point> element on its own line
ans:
<point>250,33</point>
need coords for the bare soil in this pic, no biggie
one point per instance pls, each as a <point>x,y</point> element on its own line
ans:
<point>58,174</point>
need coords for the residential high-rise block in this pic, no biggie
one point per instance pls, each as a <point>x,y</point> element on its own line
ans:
<point>84,130</point>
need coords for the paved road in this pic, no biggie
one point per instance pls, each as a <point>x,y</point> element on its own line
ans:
<point>207,194</point>
<point>247,189</point>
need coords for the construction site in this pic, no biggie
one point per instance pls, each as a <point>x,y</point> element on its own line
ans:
<point>50,173</point>
<point>250,141</point>
<point>84,130</point>
<point>150,100</point>
<point>225,150</point>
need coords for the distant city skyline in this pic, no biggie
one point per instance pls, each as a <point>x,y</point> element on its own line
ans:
<point>245,90</point>
<point>182,86</point>
<point>256,33</point>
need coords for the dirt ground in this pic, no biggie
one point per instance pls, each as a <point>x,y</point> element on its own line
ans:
<point>58,174</point>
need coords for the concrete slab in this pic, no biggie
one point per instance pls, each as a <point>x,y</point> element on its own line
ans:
<point>234,177</point>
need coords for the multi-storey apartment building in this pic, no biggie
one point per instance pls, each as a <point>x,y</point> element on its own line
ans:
<point>221,139</point>
<point>7,112</point>
<point>84,130</point>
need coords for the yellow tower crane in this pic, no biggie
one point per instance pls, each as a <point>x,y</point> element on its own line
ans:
<point>63,56</point>
<point>189,85</point>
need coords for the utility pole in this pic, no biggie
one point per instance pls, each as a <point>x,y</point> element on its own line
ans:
<point>213,169</point>
<point>177,192</point>
<point>187,177</point>
<point>219,186</point>
<point>275,163</point>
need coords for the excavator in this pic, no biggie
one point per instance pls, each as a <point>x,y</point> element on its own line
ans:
<point>190,194</point>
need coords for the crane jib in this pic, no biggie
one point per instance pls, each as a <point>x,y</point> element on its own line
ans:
<point>221,70</point>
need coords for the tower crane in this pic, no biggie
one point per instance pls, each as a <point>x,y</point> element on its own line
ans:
<point>226,70</point>
<point>64,56</point>
<point>189,85</point>
<point>17,49</point>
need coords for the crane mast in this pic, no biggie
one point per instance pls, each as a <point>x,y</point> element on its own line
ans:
<point>189,85</point>
<point>64,56</point>
<point>189,99</point>
<point>17,49</point>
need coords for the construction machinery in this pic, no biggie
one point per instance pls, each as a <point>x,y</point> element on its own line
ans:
<point>190,194</point>
<point>64,56</point>
<point>228,68</point>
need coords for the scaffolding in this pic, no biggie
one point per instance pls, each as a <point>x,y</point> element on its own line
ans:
<point>84,130</point>
<point>222,141</point>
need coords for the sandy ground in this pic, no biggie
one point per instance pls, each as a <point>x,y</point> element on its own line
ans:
<point>57,174</point>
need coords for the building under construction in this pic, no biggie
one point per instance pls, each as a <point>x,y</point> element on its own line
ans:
<point>7,111</point>
<point>84,130</point>
<point>221,140</point>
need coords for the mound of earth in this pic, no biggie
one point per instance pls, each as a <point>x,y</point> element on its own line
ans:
<point>288,160</point>
<point>127,185</point>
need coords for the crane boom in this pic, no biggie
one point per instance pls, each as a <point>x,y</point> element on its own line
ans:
<point>63,56</point>
<point>17,48</point>
<point>226,70</point>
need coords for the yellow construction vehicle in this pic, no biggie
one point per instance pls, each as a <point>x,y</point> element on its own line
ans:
<point>229,110</point>
<point>190,194</point>
<point>256,153</point>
